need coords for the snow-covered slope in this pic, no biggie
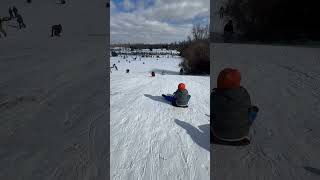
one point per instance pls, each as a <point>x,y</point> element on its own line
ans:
<point>53,93</point>
<point>151,139</point>
<point>285,83</point>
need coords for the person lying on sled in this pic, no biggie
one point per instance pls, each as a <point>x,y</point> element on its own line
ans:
<point>232,113</point>
<point>180,98</point>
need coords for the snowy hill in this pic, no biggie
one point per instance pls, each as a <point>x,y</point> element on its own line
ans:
<point>151,139</point>
<point>53,92</point>
<point>285,83</point>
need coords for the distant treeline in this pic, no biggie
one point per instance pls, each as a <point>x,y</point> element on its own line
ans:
<point>194,50</point>
<point>168,46</point>
<point>275,20</point>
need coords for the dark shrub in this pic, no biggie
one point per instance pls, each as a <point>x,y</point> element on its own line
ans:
<point>275,20</point>
<point>196,58</point>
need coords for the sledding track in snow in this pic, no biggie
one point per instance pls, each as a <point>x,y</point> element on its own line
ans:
<point>285,83</point>
<point>150,139</point>
<point>53,115</point>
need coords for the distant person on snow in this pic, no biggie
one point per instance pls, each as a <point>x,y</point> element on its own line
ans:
<point>231,111</point>
<point>20,21</point>
<point>181,71</point>
<point>228,31</point>
<point>114,66</point>
<point>15,11</point>
<point>56,30</point>
<point>221,12</point>
<point>11,13</point>
<point>180,98</point>
<point>2,19</point>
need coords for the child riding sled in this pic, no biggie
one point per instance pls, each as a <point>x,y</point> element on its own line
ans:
<point>232,113</point>
<point>180,98</point>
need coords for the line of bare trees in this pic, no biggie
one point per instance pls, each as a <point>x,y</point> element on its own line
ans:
<point>195,51</point>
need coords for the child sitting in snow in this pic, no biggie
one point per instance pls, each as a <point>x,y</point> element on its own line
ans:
<point>180,98</point>
<point>231,111</point>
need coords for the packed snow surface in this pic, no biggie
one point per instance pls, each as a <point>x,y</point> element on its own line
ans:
<point>53,115</point>
<point>150,138</point>
<point>284,82</point>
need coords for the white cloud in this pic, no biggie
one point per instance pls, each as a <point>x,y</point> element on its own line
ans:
<point>176,10</point>
<point>164,21</point>
<point>128,5</point>
<point>141,5</point>
<point>113,6</point>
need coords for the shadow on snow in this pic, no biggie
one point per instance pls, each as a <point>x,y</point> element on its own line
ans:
<point>200,137</point>
<point>166,72</point>
<point>157,98</point>
<point>312,170</point>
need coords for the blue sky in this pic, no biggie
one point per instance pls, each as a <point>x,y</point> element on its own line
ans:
<point>155,21</point>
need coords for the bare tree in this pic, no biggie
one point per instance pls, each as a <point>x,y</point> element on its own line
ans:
<point>200,32</point>
<point>195,52</point>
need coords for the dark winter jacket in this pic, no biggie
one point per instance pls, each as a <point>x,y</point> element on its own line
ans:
<point>19,18</point>
<point>10,12</point>
<point>15,10</point>
<point>182,97</point>
<point>229,113</point>
<point>228,28</point>
<point>56,30</point>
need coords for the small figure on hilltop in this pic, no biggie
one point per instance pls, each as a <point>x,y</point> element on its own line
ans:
<point>127,70</point>
<point>228,31</point>
<point>153,74</point>
<point>2,19</point>
<point>114,66</point>
<point>11,13</point>
<point>231,111</point>
<point>181,71</point>
<point>28,1</point>
<point>180,98</point>
<point>15,11</point>
<point>20,21</point>
<point>56,30</point>
<point>221,12</point>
